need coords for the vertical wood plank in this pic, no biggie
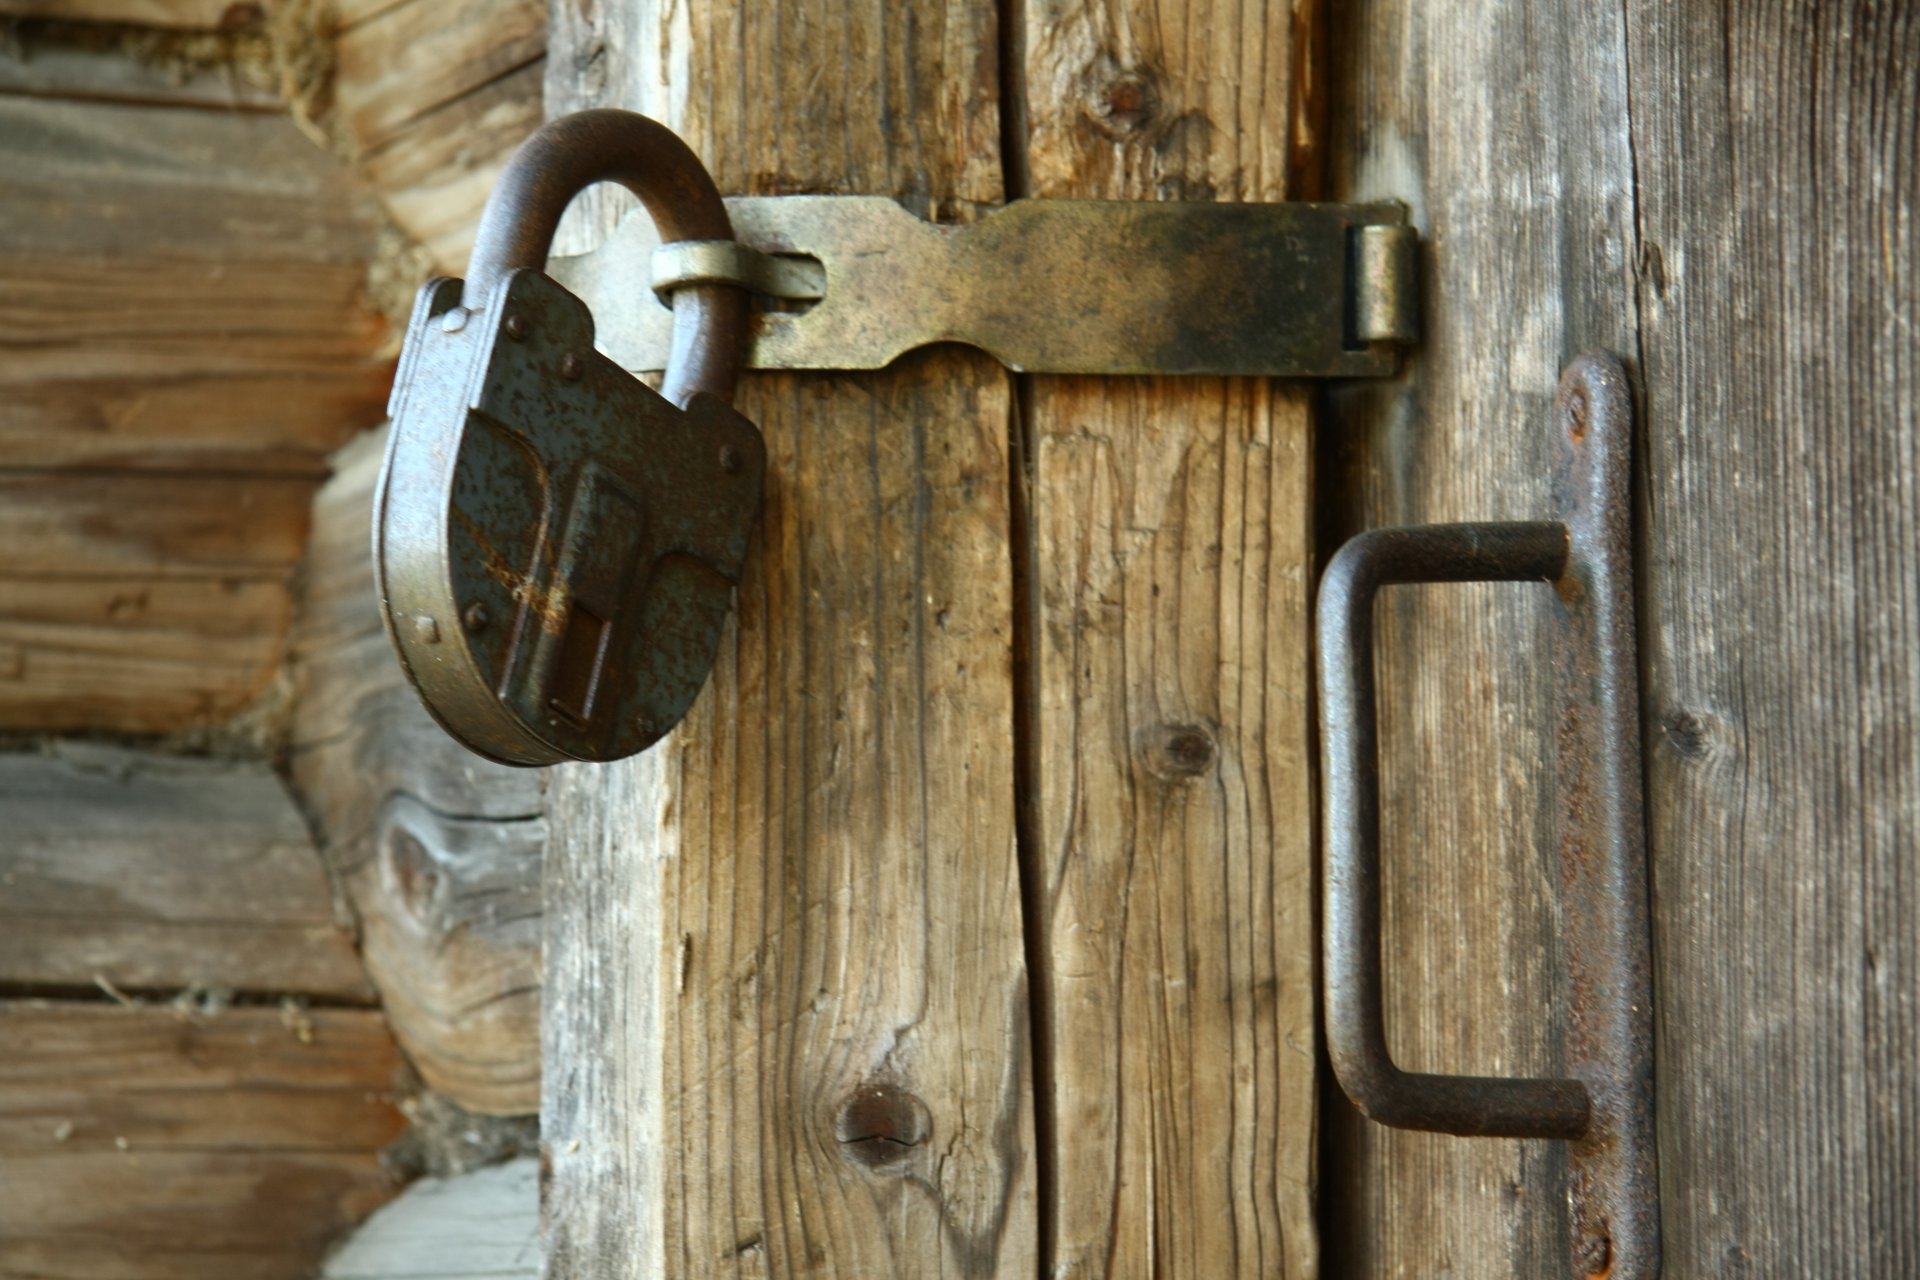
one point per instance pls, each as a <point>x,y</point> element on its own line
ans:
<point>1172,821</point>
<point>1751,247</point>
<point>786,1018</point>
<point>1505,126</point>
<point>1778,156</point>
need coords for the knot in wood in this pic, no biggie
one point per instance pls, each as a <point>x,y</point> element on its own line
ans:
<point>414,875</point>
<point>879,1125</point>
<point>1178,752</point>
<point>1696,736</point>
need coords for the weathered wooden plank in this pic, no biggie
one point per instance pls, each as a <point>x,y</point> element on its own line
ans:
<point>483,1225</point>
<point>351,13</point>
<point>1168,762</point>
<point>1504,126</point>
<point>106,181</point>
<point>98,71</point>
<point>159,873</point>
<point>127,1058</point>
<point>435,175</point>
<point>186,295</point>
<point>144,361</point>
<point>186,288</point>
<point>144,655</point>
<point>397,65</point>
<point>142,601</point>
<point>74,524</point>
<point>438,851</point>
<point>203,15</point>
<point>786,1001</point>
<point>1777,165</point>
<point>147,1143</point>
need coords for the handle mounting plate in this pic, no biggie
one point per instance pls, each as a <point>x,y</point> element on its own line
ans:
<point>1604,1107</point>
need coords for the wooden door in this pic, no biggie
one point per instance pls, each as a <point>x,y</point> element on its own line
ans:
<point>965,926</point>
<point>1728,197</point>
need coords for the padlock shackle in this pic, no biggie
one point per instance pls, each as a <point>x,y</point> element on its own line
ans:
<point>566,156</point>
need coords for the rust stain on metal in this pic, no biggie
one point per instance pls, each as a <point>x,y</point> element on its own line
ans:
<point>1046,286</point>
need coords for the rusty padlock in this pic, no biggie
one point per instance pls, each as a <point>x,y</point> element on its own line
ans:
<point>555,543</point>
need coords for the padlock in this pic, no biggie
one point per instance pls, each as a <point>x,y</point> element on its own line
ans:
<point>556,544</point>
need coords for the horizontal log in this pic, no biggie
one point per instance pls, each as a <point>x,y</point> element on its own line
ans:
<point>436,174</point>
<point>483,1225</point>
<point>187,337</point>
<point>148,1144</point>
<point>65,524</point>
<point>200,15</point>
<point>156,873</point>
<point>45,69</point>
<point>92,653</point>
<point>158,363</point>
<point>404,62</point>
<point>106,181</point>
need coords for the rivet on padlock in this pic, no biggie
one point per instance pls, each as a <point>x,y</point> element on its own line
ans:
<point>555,549</point>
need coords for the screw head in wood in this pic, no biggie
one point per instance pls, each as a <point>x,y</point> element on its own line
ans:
<point>1596,1255</point>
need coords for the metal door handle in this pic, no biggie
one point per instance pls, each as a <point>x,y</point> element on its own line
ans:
<point>1605,1107</point>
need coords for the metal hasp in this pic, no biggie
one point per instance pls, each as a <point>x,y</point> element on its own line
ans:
<point>1046,286</point>
<point>555,543</point>
<point>1604,1110</point>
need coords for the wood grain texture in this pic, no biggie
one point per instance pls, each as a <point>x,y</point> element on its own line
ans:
<point>483,1225</point>
<point>83,524</point>
<point>438,850</point>
<point>1169,772</point>
<point>787,1014</point>
<point>143,601</point>
<point>1777,153</point>
<point>187,336</point>
<point>148,1143</point>
<point>432,100</point>
<point>159,873</point>
<point>138,653</point>
<point>202,15</point>
<point>54,66</point>
<point>436,174</point>
<point>107,181</point>
<point>159,364</point>
<point>1504,126</point>
<point>397,65</point>
<point>1751,248</point>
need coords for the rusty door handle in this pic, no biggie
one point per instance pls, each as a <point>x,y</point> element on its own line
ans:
<point>1604,1107</point>
<point>1356,1020</point>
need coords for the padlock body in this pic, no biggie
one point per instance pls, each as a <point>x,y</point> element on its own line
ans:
<point>556,544</point>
